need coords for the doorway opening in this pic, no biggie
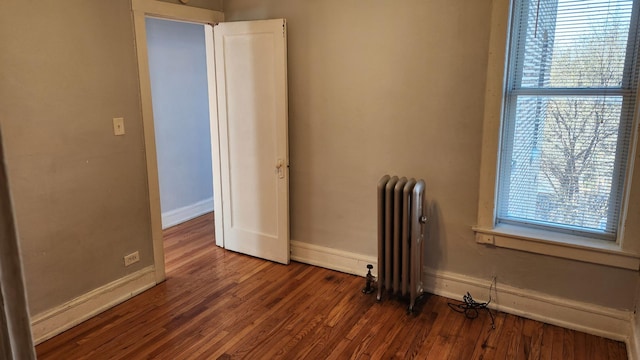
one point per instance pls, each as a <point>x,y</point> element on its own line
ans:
<point>177,61</point>
<point>247,83</point>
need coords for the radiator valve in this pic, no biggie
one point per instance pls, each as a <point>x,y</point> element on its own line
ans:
<point>368,289</point>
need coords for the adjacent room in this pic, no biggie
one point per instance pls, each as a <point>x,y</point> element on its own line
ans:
<point>179,90</point>
<point>124,124</point>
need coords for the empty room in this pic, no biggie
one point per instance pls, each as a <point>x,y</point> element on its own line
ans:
<point>441,179</point>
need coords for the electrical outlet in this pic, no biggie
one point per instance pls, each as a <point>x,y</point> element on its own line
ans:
<point>485,239</point>
<point>131,258</point>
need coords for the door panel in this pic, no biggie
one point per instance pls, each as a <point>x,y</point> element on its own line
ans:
<point>252,112</point>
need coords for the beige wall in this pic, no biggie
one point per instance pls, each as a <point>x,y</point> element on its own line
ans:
<point>80,193</point>
<point>398,87</point>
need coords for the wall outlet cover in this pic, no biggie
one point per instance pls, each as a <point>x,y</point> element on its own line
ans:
<point>131,258</point>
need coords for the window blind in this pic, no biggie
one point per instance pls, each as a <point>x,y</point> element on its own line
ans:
<point>568,118</point>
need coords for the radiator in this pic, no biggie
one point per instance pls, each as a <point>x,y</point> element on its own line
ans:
<point>401,228</point>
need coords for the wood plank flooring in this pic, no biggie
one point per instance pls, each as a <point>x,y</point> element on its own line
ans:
<point>217,304</point>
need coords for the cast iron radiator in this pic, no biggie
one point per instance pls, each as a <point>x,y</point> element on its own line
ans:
<point>401,228</point>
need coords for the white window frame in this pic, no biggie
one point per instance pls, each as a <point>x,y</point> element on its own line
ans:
<point>623,253</point>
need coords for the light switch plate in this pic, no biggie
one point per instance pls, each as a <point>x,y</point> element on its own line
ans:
<point>118,126</point>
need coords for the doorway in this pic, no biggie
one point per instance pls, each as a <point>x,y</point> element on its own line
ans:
<point>142,9</point>
<point>179,91</point>
<point>246,74</point>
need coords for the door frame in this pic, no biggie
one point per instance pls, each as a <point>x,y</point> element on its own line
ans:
<point>16,339</point>
<point>153,8</point>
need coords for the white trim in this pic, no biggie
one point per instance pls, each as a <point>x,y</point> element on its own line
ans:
<point>185,213</point>
<point>177,12</point>
<point>589,318</point>
<point>339,260</point>
<point>61,318</point>
<point>141,9</point>
<point>151,156</point>
<point>559,245</point>
<point>215,133</point>
<point>494,93</point>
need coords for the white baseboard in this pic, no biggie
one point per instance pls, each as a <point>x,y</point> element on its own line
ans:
<point>593,319</point>
<point>178,216</point>
<point>61,318</point>
<point>343,261</point>
<point>589,318</point>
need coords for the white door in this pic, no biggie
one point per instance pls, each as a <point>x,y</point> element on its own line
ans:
<point>251,78</point>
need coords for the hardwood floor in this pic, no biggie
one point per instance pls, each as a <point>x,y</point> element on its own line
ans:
<point>217,304</point>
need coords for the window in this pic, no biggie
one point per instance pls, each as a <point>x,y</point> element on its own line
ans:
<point>568,115</point>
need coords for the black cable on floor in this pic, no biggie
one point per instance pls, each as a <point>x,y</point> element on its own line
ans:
<point>471,308</point>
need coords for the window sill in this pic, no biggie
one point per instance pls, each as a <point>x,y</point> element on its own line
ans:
<point>558,245</point>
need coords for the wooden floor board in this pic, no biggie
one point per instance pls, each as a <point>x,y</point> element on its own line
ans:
<point>216,304</point>
<point>471,331</point>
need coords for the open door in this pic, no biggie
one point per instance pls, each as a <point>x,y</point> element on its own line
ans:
<point>251,84</point>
